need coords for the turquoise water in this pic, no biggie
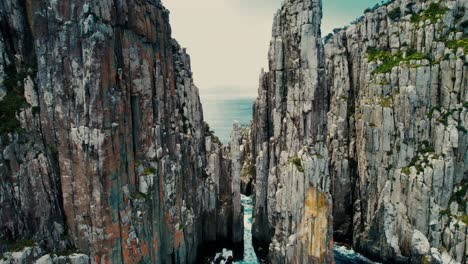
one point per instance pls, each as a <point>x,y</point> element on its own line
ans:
<point>345,255</point>
<point>342,254</point>
<point>249,253</point>
<point>249,256</point>
<point>222,113</point>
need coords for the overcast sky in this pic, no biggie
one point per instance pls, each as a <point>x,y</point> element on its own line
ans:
<point>228,40</point>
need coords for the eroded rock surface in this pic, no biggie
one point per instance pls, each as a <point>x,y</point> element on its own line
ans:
<point>103,142</point>
<point>397,131</point>
<point>292,213</point>
<point>385,133</point>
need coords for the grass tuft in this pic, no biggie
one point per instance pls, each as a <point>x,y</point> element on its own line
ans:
<point>390,60</point>
<point>298,163</point>
<point>455,44</point>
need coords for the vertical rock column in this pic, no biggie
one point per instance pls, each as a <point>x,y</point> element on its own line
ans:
<point>223,217</point>
<point>235,144</point>
<point>292,214</point>
<point>398,131</point>
<point>103,141</point>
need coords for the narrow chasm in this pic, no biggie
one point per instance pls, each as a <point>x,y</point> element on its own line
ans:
<point>359,138</point>
<point>227,255</point>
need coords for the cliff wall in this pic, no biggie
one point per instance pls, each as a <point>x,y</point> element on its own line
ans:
<point>103,146</point>
<point>378,119</point>
<point>397,136</point>
<point>293,206</point>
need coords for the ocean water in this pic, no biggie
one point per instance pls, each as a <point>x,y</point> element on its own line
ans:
<point>249,256</point>
<point>222,113</point>
<point>344,255</point>
<point>249,253</point>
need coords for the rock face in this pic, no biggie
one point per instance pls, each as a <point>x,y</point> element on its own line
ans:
<point>293,208</point>
<point>397,131</point>
<point>385,133</point>
<point>241,157</point>
<point>223,219</point>
<point>103,143</point>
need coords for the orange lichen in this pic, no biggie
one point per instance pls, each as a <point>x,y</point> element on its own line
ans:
<point>155,245</point>
<point>178,238</point>
<point>313,229</point>
<point>29,14</point>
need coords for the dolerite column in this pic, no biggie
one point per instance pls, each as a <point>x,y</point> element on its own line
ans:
<point>235,143</point>
<point>292,214</point>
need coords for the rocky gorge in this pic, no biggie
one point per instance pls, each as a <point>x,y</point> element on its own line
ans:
<point>358,138</point>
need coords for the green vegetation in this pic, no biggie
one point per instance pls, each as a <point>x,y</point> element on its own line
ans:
<point>139,196</point>
<point>390,60</point>
<point>459,14</point>
<point>406,170</point>
<point>464,24</point>
<point>375,55</point>
<point>422,157</point>
<point>386,101</point>
<point>443,119</point>
<point>412,55</point>
<point>149,171</point>
<point>459,196</point>
<point>432,13</point>
<point>10,104</point>
<point>455,44</point>
<point>14,246</point>
<point>461,128</point>
<point>426,148</point>
<point>211,133</point>
<point>382,82</point>
<point>298,163</point>
<point>395,14</point>
<point>425,260</point>
<point>13,101</point>
<point>464,219</point>
<point>430,114</point>
<point>445,212</point>
<point>204,174</point>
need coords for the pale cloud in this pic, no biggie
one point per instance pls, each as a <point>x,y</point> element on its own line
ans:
<point>228,44</point>
<point>228,40</point>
